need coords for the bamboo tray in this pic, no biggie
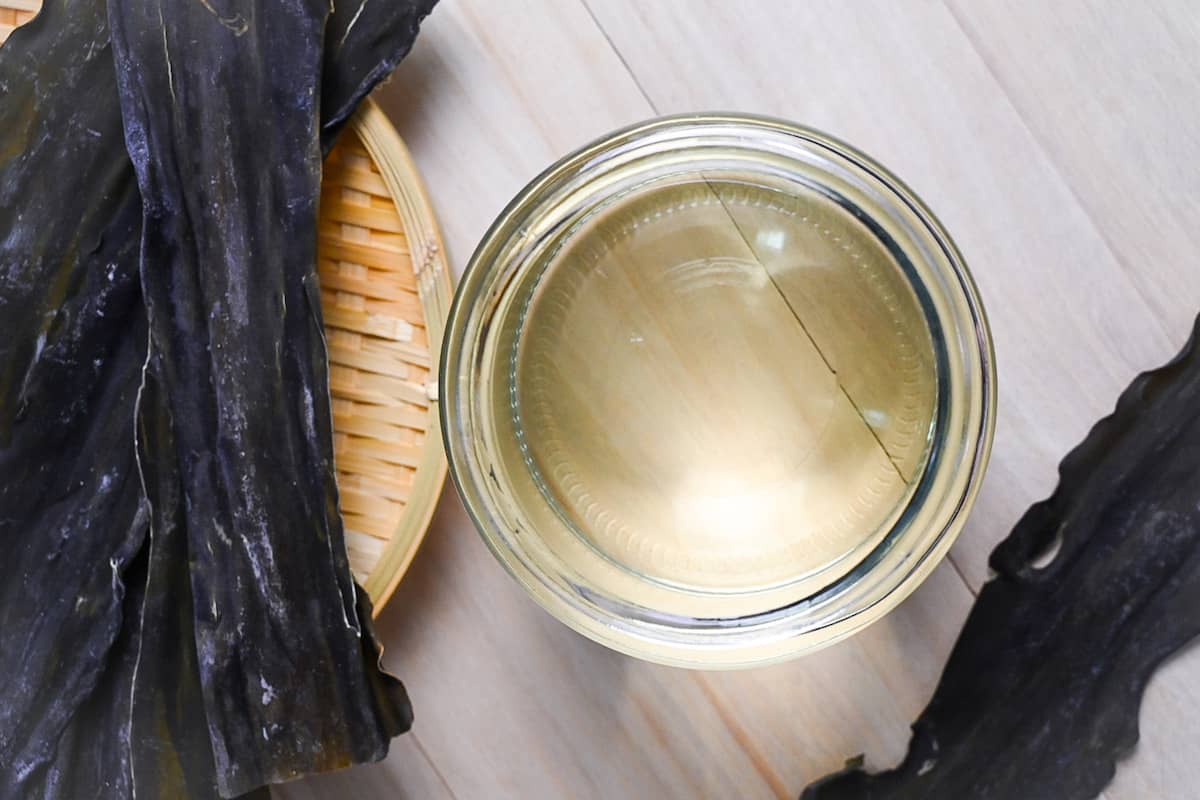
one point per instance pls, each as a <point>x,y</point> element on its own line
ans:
<point>14,13</point>
<point>385,292</point>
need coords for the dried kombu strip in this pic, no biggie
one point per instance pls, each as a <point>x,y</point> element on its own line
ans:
<point>70,507</point>
<point>171,754</point>
<point>364,41</point>
<point>93,754</point>
<point>1040,696</point>
<point>237,357</point>
<point>71,354</point>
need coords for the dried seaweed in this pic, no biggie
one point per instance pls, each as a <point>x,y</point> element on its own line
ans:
<point>1094,588</point>
<point>237,356</point>
<point>285,684</point>
<point>71,513</point>
<point>364,42</point>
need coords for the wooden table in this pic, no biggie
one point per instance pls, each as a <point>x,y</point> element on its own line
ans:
<point>1059,142</point>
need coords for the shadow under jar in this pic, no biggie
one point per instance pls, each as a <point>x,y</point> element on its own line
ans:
<point>717,390</point>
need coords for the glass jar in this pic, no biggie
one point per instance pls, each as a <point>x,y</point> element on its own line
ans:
<point>717,390</point>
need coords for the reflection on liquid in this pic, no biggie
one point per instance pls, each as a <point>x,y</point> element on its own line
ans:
<point>725,389</point>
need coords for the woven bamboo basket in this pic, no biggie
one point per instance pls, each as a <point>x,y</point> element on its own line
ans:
<point>385,292</point>
<point>14,13</point>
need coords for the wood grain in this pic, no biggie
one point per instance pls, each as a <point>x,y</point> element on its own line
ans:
<point>1109,92</point>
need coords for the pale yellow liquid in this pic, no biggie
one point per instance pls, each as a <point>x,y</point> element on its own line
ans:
<point>723,388</point>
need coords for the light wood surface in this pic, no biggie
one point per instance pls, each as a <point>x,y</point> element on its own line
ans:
<point>1060,144</point>
<point>1057,142</point>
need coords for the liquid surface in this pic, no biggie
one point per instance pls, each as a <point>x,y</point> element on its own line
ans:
<point>724,388</point>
